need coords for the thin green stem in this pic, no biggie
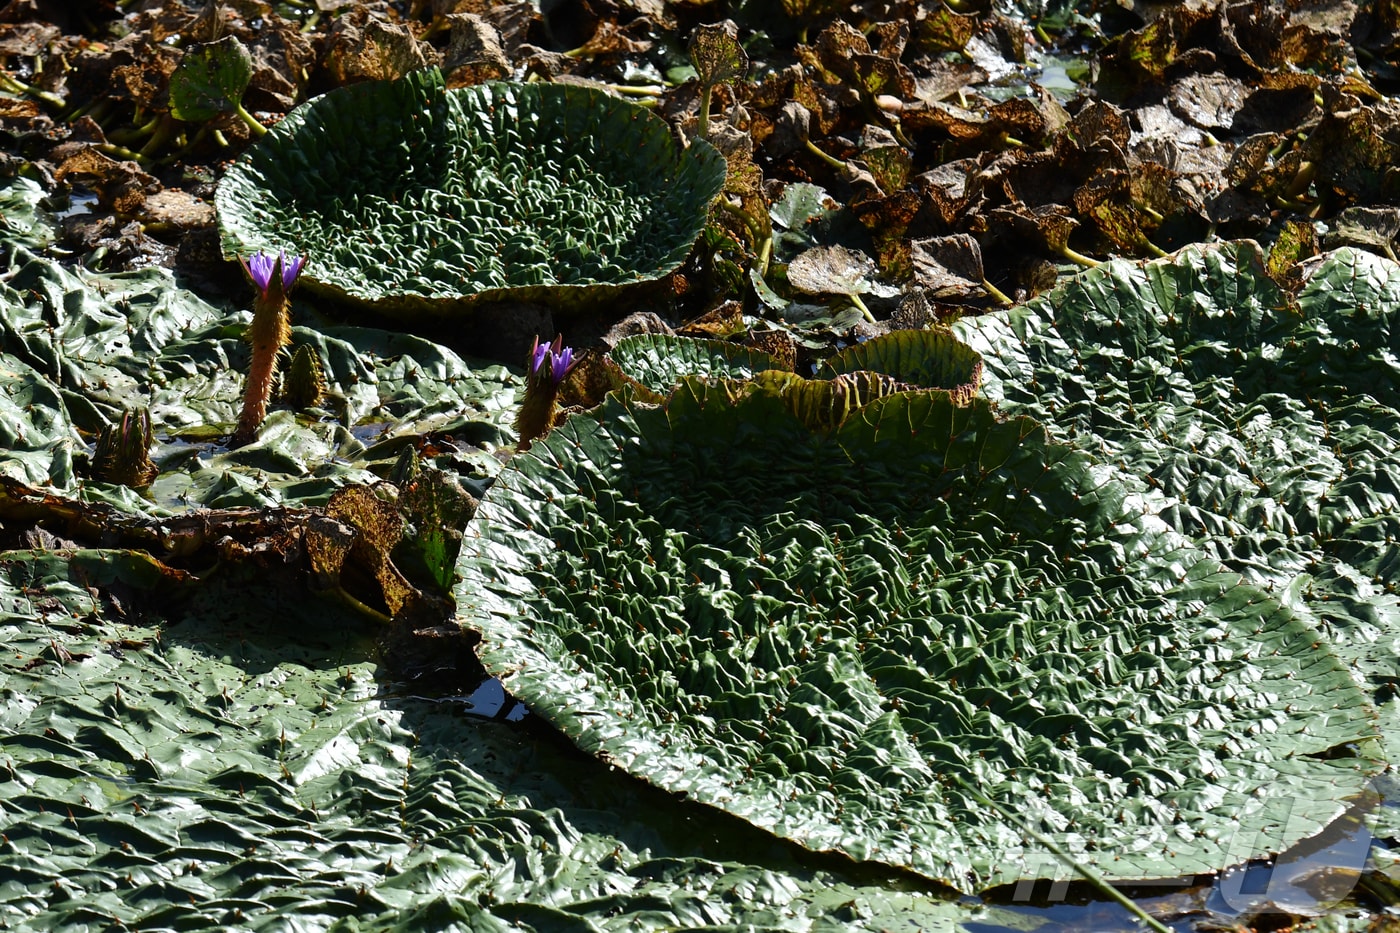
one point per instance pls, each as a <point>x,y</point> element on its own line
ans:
<point>1078,258</point>
<point>636,90</point>
<point>1153,249</point>
<point>828,159</point>
<point>749,221</point>
<point>252,121</point>
<point>1307,173</point>
<point>855,300</point>
<point>702,127</point>
<point>9,82</point>
<point>1088,874</point>
<point>163,131</point>
<point>121,152</point>
<point>997,293</point>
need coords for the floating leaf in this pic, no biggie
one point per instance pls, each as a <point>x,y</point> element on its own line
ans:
<point>412,198</point>
<point>844,634</point>
<point>932,359</point>
<point>655,362</point>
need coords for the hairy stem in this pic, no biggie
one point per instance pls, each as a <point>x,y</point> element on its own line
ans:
<point>270,332</point>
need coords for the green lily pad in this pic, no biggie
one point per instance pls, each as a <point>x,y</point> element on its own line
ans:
<point>411,198</point>
<point>78,348</point>
<point>846,634</point>
<point>206,772</point>
<point>654,363</point>
<point>933,359</point>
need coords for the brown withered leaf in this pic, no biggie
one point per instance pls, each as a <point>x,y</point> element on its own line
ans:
<point>721,322</point>
<point>27,39</point>
<point>146,81</point>
<point>14,108</point>
<point>716,54</point>
<point>949,267</point>
<point>474,54</point>
<point>830,270</point>
<point>1097,121</point>
<point>1277,109</point>
<point>588,381</point>
<point>1353,150</point>
<point>283,59</point>
<point>1157,122</point>
<point>1113,202</point>
<point>943,79</point>
<point>120,186</point>
<point>362,48</point>
<point>888,219</point>
<point>843,55</point>
<point>611,39</point>
<point>812,9</point>
<point>944,193</point>
<point>1144,55</point>
<point>777,344</point>
<point>358,532</point>
<point>1371,228</point>
<point>944,30</point>
<point>890,164</point>
<point>889,39</point>
<point>174,208</point>
<point>836,47</point>
<point>1208,101</point>
<point>1046,226</point>
<point>884,76</point>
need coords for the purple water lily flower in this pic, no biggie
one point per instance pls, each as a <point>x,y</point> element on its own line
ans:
<point>549,365</point>
<point>261,267</point>
<point>559,357</point>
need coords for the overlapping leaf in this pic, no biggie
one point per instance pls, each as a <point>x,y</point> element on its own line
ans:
<point>1270,425</point>
<point>844,635</point>
<point>79,348</point>
<point>208,773</point>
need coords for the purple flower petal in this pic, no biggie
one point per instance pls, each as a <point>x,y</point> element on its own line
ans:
<point>561,364</point>
<point>259,267</point>
<point>291,269</point>
<point>538,356</point>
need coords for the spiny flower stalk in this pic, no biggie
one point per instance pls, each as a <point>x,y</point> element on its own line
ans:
<point>271,330</point>
<point>549,364</point>
<point>123,454</point>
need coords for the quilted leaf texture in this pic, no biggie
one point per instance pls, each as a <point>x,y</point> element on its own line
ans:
<point>414,199</point>
<point>839,633</point>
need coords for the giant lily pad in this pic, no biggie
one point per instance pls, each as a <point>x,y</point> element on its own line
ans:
<point>1165,634</point>
<point>845,636</point>
<point>410,197</point>
<point>206,772</point>
<point>1270,422</point>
